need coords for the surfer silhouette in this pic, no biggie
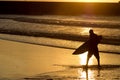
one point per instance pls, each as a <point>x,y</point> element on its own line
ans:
<point>94,40</point>
<point>91,45</point>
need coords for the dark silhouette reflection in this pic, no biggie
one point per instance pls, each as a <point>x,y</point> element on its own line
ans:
<point>94,40</point>
<point>98,73</point>
<point>87,71</point>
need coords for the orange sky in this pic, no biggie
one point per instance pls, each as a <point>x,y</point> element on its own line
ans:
<point>84,0</point>
<point>68,0</point>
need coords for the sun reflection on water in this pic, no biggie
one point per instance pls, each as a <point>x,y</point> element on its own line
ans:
<point>83,59</point>
<point>86,74</point>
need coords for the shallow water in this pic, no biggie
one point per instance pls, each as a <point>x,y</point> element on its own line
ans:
<point>79,74</point>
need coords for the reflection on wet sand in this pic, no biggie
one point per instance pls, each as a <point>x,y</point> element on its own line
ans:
<point>88,74</point>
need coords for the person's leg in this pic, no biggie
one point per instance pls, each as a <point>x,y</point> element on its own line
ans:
<point>88,57</point>
<point>87,61</point>
<point>98,58</point>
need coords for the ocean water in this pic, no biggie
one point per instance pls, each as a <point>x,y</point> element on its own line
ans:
<point>32,45</point>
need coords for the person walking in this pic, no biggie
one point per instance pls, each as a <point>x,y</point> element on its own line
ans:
<point>94,40</point>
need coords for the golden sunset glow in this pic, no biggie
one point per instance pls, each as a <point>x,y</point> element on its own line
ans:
<point>84,75</point>
<point>80,0</point>
<point>87,74</point>
<point>92,0</point>
<point>68,0</point>
<point>83,59</point>
<point>85,31</point>
<point>88,0</point>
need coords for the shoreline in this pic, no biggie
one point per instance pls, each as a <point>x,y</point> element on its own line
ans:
<point>78,73</point>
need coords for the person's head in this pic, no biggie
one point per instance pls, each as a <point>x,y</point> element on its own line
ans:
<point>91,31</point>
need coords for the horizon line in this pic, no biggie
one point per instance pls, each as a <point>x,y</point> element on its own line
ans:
<point>55,1</point>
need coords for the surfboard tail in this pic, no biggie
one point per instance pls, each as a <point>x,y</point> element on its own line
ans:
<point>83,48</point>
<point>77,51</point>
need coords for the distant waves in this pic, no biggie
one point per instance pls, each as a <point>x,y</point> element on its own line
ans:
<point>77,23</point>
<point>33,26</point>
<point>51,31</point>
<point>105,40</point>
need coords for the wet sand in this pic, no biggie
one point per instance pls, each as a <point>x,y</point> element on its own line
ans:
<point>80,74</point>
<point>20,61</point>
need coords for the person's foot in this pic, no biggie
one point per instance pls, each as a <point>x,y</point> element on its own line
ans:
<point>99,67</point>
<point>86,66</point>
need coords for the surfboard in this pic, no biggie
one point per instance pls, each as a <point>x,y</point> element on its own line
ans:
<point>83,48</point>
